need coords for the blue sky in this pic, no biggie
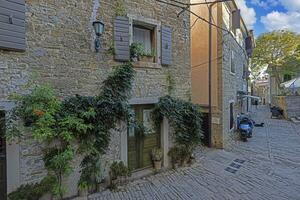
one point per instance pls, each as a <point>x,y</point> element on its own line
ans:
<point>268,15</point>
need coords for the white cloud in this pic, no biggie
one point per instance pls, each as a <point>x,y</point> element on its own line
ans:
<point>266,4</point>
<point>279,20</point>
<point>291,5</point>
<point>248,13</point>
<point>289,20</point>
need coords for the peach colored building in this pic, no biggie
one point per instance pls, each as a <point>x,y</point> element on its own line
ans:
<point>230,61</point>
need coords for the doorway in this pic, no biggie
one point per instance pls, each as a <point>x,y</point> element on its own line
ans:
<point>205,129</point>
<point>142,138</point>
<point>2,157</point>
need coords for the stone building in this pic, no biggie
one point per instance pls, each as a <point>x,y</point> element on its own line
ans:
<point>230,60</point>
<point>53,42</point>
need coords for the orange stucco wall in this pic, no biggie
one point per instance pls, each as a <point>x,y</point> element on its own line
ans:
<point>199,56</point>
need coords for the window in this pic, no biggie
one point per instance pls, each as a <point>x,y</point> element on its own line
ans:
<point>231,116</point>
<point>155,40</point>
<point>143,36</point>
<point>232,64</point>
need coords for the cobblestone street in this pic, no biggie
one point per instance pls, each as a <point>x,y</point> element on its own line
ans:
<point>266,167</point>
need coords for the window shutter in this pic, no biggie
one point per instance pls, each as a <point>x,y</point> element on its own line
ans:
<point>166,45</point>
<point>248,43</point>
<point>236,19</point>
<point>121,38</point>
<point>12,25</point>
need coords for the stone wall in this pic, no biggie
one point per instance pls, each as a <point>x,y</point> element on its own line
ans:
<point>60,52</point>
<point>289,104</point>
<point>232,82</point>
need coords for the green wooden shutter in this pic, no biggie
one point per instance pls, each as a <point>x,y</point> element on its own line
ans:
<point>121,38</point>
<point>12,25</point>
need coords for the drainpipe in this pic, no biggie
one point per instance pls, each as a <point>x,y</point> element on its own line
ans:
<point>210,73</point>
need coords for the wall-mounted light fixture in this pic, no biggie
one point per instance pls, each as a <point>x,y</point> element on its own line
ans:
<point>99,29</point>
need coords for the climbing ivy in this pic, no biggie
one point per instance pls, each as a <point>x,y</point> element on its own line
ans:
<point>78,124</point>
<point>184,117</point>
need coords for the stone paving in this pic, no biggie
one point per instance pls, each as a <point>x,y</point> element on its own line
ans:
<point>271,170</point>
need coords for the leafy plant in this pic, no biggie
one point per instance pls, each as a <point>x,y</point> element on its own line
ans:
<point>34,105</point>
<point>33,191</point>
<point>156,154</point>
<point>180,153</point>
<point>185,118</point>
<point>58,162</point>
<point>136,51</point>
<point>118,169</point>
<point>76,121</point>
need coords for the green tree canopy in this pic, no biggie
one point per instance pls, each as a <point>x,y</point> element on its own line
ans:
<point>279,50</point>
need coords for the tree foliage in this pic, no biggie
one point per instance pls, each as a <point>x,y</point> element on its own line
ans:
<point>279,51</point>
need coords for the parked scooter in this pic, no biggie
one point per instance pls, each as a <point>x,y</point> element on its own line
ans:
<point>245,126</point>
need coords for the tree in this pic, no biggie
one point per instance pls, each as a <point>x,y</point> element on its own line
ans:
<point>278,51</point>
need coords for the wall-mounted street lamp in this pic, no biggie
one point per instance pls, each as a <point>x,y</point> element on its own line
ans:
<point>99,29</point>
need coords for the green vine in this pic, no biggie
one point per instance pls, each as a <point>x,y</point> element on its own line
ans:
<point>184,117</point>
<point>77,124</point>
<point>170,84</point>
<point>120,9</point>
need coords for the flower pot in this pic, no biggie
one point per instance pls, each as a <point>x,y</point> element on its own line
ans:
<point>192,160</point>
<point>184,163</point>
<point>83,192</point>
<point>47,196</point>
<point>157,165</point>
<point>175,165</point>
<point>101,187</point>
<point>147,59</point>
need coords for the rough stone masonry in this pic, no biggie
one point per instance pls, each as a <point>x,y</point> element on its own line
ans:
<point>60,52</point>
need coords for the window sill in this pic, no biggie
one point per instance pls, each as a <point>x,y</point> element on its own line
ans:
<point>149,65</point>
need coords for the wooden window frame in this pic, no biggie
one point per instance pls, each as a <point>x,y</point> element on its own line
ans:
<point>147,22</point>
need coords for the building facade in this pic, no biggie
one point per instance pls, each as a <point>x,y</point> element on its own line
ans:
<point>53,42</point>
<point>229,68</point>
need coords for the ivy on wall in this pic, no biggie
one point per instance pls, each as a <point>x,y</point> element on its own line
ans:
<point>76,125</point>
<point>184,117</point>
<point>82,124</point>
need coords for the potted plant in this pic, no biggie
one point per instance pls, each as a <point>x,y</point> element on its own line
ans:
<point>119,174</point>
<point>136,51</point>
<point>148,56</point>
<point>174,153</point>
<point>83,189</point>
<point>192,159</point>
<point>157,156</point>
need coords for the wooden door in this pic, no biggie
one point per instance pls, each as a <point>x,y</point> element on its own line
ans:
<point>2,158</point>
<point>141,143</point>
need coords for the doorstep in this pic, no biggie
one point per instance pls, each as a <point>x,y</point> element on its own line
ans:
<point>141,174</point>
